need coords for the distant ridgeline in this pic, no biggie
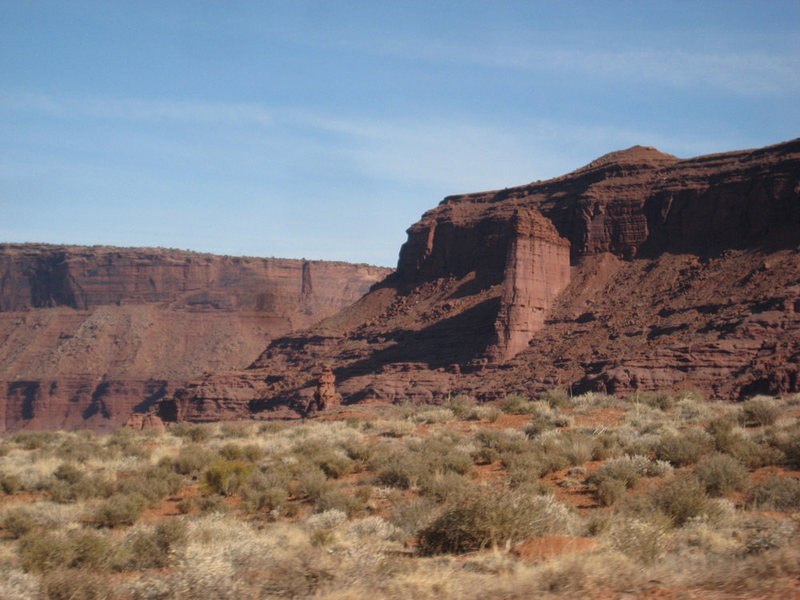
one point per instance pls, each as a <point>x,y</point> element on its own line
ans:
<point>91,334</point>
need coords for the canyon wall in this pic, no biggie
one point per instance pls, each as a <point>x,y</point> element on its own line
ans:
<point>89,335</point>
<point>637,272</point>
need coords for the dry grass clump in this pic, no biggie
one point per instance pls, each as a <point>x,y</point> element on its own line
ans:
<point>721,474</point>
<point>423,502</point>
<point>777,493</point>
<point>493,518</point>
<point>758,411</point>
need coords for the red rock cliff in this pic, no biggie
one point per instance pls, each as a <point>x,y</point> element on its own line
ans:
<point>87,334</point>
<point>639,271</point>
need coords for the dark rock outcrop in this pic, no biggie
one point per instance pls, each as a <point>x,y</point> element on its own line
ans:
<point>640,271</point>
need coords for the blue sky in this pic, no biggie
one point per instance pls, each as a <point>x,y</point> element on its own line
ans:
<point>324,129</point>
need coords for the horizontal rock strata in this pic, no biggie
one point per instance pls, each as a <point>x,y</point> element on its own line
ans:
<point>89,335</point>
<point>639,271</point>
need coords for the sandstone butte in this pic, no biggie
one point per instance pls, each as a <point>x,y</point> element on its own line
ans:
<point>90,335</point>
<point>639,271</point>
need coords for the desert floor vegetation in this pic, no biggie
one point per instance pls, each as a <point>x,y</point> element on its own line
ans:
<point>651,495</point>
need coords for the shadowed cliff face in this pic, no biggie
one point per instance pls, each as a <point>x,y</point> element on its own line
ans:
<point>90,334</point>
<point>640,271</point>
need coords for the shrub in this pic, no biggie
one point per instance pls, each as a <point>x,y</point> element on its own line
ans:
<point>730,440</point>
<point>154,548</point>
<point>485,412</point>
<point>68,473</point>
<point>462,406</point>
<point>45,551</point>
<point>192,433</point>
<point>681,499</point>
<point>491,518</point>
<point>557,398</point>
<point>515,404</point>
<point>777,493</point>
<point>359,452</point>
<point>10,484</point>
<point>312,483</point>
<point>262,494</point>
<point>225,477</point>
<point>18,522</point>
<point>364,492</point>
<point>791,450</point>
<point>212,504</point>
<point>34,440</point>
<point>445,486</point>
<point>610,491</point>
<point>684,448</point>
<point>75,584</point>
<point>191,459</point>
<point>338,500</point>
<point>120,509</point>
<point>524,468</point>
<point>626,469</point>
<point>757,411</point>
<point>434,415</point>
<point>72,484</point>
<point>539,425</point>
<point>185,506</point>
<point>660,400</point>
<point>333,464</point>
<point>721,474</point>
<point>500,441</point>
<point>234,430</point>
<point>413,515</point>
<point>642,539</point>
<point>412,466</point>
<point>154,484</point>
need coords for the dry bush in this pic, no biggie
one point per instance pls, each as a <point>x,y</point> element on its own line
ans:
<point>154,547</point>
<point>120,509</point>
<point>74,549</point>
<point>10,484</point>
<point>759,411</point>
<point>75,584</point>
<point>641,538</point>
<point>410,516</point>
<point>721,474</point>
<point>610,491</point>
<point>492,518</point>
<point>516,404</point>
<point>225,477</point>
<point>18,522</point>
<point>462,406</point>
<point>191,433</point>
<point>191,459</point>
<point>777,493</point>
<point>334,499</point>
<point>154,483</point>
<point>684,448</point>
<point>682,498</point>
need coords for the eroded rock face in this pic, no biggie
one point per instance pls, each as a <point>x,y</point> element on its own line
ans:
<point>537,269</point>
<point>89,335</point>
<point>325,395</point>
<point>640,271</point>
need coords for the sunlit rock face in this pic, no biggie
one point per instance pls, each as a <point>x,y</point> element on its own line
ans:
<point>89,335</point>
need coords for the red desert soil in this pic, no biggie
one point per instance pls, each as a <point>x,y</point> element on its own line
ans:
<point>550,546</point>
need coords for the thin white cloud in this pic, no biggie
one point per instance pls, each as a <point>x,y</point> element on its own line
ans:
<point>139,109</point>
<point>746,73</point>
<point>452,155</point>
